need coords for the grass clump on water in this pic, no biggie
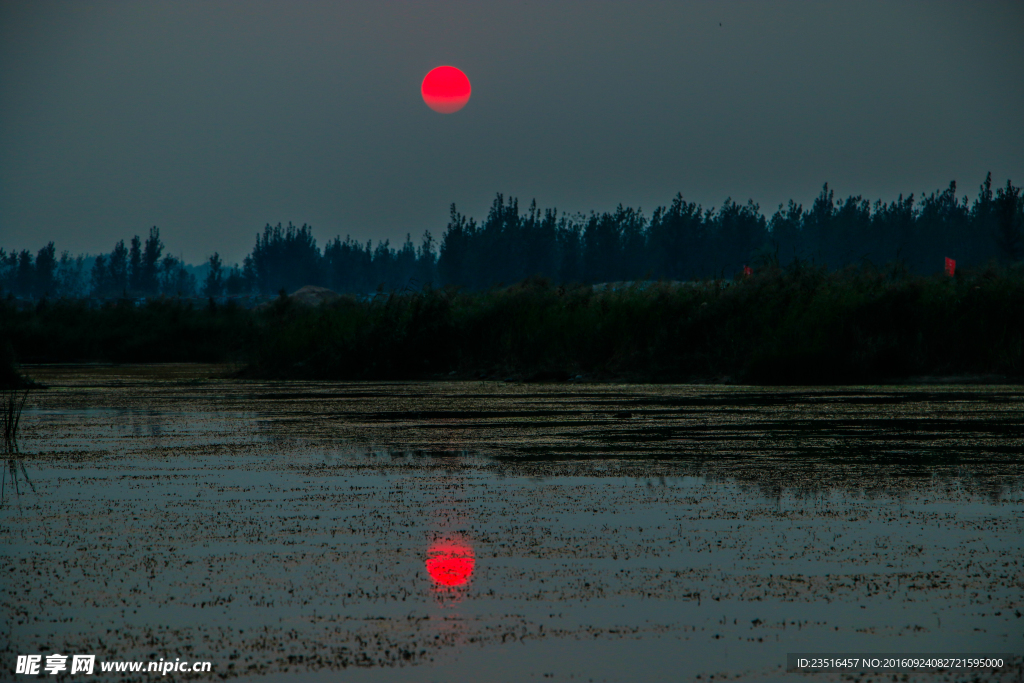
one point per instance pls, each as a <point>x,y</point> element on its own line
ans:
<point>11,406</point>
<point>12,402</point>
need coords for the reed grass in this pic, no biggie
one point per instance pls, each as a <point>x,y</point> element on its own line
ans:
<point>797,325</point>
<point>10,420</point>
<point>160,331</point>
<point>12,406</point>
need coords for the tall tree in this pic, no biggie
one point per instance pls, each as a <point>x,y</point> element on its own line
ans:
<point>453,263</point>
<point>214,284</point>
<point>1009,216</point>
<point>45,284</point>
<point>100,277</point>
<point>235,283</point>
<point>602,248</point>
<point>135,265</point>
<point>785,231</point>
<point>70,276</point>
<point>149,280</point>
<point>26,274</point>
<point>175,280</point>
<point>426,261</point>
<point>740,231</point>
<point>817,228</point>
<point>118,267</point>
<point>286,258</point>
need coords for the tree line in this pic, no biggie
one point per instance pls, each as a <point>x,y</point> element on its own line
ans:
<point>681,241</point>
<point>140,269</point>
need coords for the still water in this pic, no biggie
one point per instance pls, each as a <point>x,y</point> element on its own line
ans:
<point>492,532</point>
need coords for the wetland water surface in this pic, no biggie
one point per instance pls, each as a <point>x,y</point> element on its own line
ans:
<point>491,532</point>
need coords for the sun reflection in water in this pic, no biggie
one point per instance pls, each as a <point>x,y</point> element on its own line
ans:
<point>450,562</point>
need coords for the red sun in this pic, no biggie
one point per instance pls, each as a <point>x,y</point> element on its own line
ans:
<point>445,89</point>
<point>450,563</point>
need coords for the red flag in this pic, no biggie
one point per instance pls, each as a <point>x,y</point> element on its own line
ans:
<point>950,266</point>
<point>748,271</point>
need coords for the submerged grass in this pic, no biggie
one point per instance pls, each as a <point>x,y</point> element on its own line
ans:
<point>10,420</point>
<point>11,407</point>
<point>796,325</point>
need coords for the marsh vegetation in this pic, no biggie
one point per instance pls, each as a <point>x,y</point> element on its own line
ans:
<point>792,325</point>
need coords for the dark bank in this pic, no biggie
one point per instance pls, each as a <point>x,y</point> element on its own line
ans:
<point>794,325</point>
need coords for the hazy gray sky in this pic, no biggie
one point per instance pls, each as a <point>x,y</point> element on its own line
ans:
<point>210,119</point>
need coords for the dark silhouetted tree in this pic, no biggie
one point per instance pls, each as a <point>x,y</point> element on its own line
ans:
<point>100,277</point>
<point>149,279</point>
<point>235,284</point>
<point>785,230</point>
<point>286,258</point>
<point>676,241</point>
<point>135,265</point>
<point>817,228</point>
<point>1008,211</point>
<point>45,283</point>
<point>602,248</point>
<point>681,241</point>
<point>26,274</point>
<point>214,284</point>
<point>175,280</point>
<point>739,232</point>
<point>453,262</point>
<point>426,261</point>
<point>71,281</point>
<point>117,266</point>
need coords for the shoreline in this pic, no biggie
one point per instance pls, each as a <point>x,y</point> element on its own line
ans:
<point>173,371</point>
